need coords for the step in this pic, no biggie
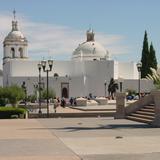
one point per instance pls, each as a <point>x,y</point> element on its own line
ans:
<point>146,113</point>
<point>142,116</point>
<point>138,119</point>
<point>147,110</point>
<point>152,104</point>
<point>149,107</point>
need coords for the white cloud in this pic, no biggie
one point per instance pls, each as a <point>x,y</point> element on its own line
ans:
<point>59,41</point>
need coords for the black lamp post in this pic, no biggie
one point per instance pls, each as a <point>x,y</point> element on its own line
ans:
<point>139,66</point>
<point>120,80</point>
<point>50,64</point>
<point>105,85</point>
<point>25,91</point>
<point>39,87</point>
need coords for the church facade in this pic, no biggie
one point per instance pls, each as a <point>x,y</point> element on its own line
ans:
<point>89,70</point>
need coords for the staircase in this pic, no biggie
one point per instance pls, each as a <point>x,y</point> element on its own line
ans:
<point>145,114</point>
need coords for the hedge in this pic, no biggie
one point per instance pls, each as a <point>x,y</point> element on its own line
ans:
<point>11,112</point>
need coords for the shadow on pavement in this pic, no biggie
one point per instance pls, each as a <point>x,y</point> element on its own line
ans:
<point>103,127</point>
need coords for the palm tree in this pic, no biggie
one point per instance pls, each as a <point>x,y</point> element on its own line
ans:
<point>112,87</point>
<point>155,77</point>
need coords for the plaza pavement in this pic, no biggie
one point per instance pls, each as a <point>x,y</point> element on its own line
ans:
<point>78,138</point>
<point>77,109</point>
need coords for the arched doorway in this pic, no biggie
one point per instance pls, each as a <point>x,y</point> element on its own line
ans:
<point>65,90</point>
<point>65,93</point>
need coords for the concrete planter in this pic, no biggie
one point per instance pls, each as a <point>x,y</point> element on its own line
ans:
<point>101,100</point>
<point>81,101</point>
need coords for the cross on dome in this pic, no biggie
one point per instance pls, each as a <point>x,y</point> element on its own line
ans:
<point>14,14</point>
<point>14,22</point>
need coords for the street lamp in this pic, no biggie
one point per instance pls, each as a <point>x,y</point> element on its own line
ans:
<point>139,66</point>
<point>105,85</point>
<point>39,87</point>
<point>25,91</point>
<point>120,80</point>
<point>47,70</point>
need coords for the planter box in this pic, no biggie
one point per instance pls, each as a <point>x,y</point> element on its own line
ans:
<point>81,102</point>
<point>101,100</point>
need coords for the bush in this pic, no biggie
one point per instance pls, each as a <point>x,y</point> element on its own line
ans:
<point>131,92</point>
<point>3,101</point>
<point>10,112</point>
<point>31,98</point>
<point>14,94</point>
<point>51,94</point>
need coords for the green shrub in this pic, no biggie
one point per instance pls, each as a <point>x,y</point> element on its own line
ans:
<point>10,112</point>
<point>14,94</point>
<point>3,101</point>
<point>131,92</point>
<point>31,98</point>
<point>51,94</point>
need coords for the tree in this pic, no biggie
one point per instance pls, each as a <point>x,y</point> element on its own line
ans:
<point>112,87</point>
<point>148,58</point>
<point>3,100</point>
<point>155,77</point>
<point>145,57</point>
<point>152,58</point>
<point>51,94</point>
<point>14,94</point>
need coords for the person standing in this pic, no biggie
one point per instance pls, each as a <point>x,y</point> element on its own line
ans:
<point>55,104</point>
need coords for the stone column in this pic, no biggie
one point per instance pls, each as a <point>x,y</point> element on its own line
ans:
<point>120,106</point>
<point>156,96</point>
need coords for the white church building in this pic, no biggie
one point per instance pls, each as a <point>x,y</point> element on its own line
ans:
<point>88,70</point>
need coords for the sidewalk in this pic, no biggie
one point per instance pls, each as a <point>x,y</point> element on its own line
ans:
<point>29,140</point>
<point>77,109</point>
<point>77,139</point>
<point>68,112</point>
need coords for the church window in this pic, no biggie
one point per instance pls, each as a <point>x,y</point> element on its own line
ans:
<point>21,52</point>
<point>13,52</point>
<point>56,76</point>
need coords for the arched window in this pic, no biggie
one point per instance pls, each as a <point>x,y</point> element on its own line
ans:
<point>21,52</point>
<point>56,76</point>
<point>13,52</point>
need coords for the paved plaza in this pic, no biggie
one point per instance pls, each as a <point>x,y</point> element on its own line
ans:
<point>78,138</point>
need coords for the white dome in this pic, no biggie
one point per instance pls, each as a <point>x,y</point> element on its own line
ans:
<point>15,35</point>
<point>90,50</point>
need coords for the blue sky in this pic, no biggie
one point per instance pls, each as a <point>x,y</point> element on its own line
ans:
<point>56,27</point>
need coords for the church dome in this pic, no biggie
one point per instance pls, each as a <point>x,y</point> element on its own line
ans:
<point>15,34</point>
<point>90,50</point>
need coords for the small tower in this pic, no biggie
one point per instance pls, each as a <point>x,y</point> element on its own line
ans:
<point>90,35</point>
<point>15,44</point>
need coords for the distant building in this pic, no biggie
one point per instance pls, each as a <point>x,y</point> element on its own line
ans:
<point>87,71</point>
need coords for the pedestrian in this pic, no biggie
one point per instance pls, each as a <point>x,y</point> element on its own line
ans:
<point>63,102</point>
<point>75,103</point>
<point>55,104</point>
<point>71,101</point>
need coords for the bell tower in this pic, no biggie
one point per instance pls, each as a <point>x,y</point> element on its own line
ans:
<point>15,44</point>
